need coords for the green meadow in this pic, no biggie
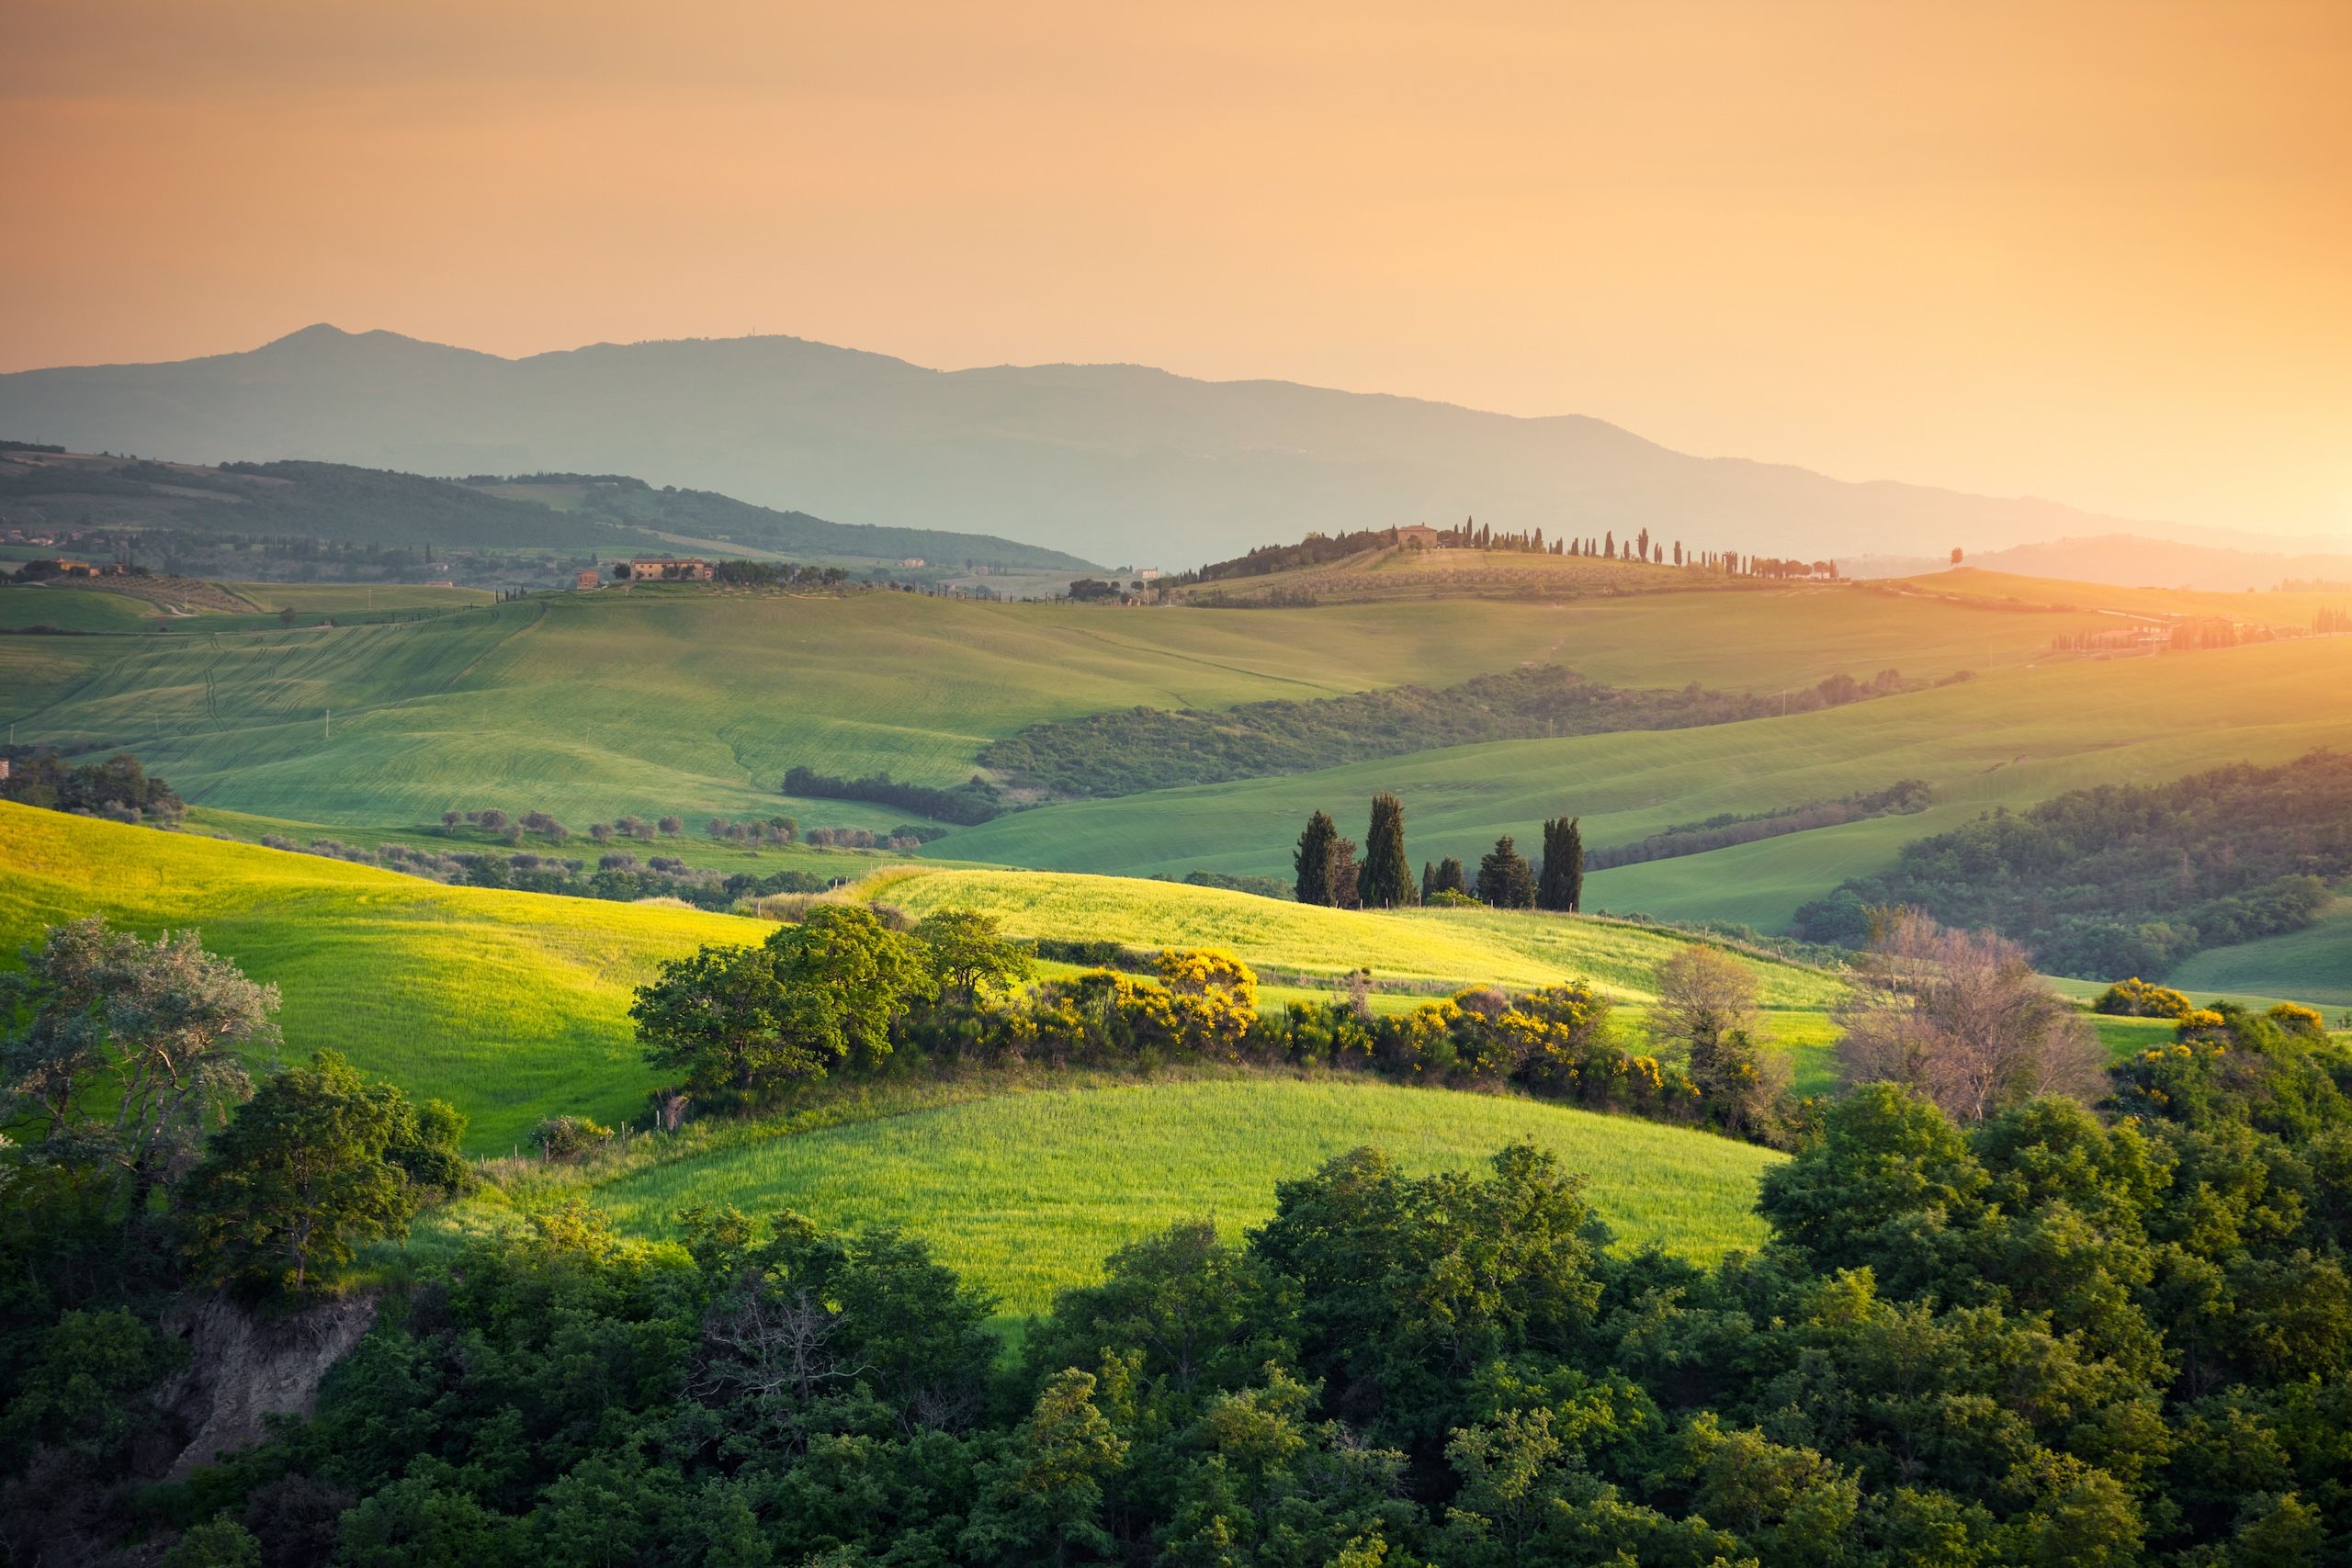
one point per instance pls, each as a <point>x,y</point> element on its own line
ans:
<point>72,610</point>
<point>1026,1193</point>
<point>1464,946</point>
<point>683,700</point>
<point>2314,966</point>
<point>2007,738</point>
<point>511,1006</point>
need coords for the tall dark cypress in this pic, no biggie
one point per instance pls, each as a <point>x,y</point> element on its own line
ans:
<point>1505,879</point>
<point>1428,881</point>
<point>1314,859</point>
<point>1387,880</point>
<point>1450,877</point>
<point>1561,885</point>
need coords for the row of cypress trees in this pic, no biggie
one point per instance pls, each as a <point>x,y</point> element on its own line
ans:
<point>1329,872</point>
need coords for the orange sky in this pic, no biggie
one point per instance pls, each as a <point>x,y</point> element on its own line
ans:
<point>2101,252</point>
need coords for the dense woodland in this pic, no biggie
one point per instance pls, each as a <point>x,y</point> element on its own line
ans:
<point>1141,749</point>
<point>2032,1335</point>
<point>2116,880</point>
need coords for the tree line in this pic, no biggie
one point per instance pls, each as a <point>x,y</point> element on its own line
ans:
<point>118,788</point>
<point>843,995</point>
<point>967,805</point>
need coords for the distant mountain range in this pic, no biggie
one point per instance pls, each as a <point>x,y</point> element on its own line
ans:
<point>1116,463</point>
<point>608,513</point>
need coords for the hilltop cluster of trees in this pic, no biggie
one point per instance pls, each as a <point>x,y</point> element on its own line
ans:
<point>2123,880</point>
<point>1327,872</point>
<point>1138,749</point>
<point>966,805</point>
<point>1722,831</point>
<point>1319,549</point>
<point>118,788</point>
<point>2039,1338</point>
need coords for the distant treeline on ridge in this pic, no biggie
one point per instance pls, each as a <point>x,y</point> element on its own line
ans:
<point>1139,748</point>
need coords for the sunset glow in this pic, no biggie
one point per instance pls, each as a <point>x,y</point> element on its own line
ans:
<point>2094,251</point>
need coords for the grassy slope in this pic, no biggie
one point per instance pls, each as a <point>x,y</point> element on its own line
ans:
<point>677,700</point>
<point>1463,946</point>
<point>72,610</point>
<point>2011,737</point>
<point>2315,967</point>
<point>1025,1194</point>
<point>512,1006</point>
<point>2270,608</point>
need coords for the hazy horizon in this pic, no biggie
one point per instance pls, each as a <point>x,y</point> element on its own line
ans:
<point>2091,252</point>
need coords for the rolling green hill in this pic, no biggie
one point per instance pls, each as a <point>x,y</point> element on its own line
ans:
<point>1461,947</point>
<point>679,700</point>
<point>2011,737</point>
<point>512,1006</point>
<point>2314,965</point>
<point>71,609</point>
<point>685,700</point>
<point>1026,1194</point>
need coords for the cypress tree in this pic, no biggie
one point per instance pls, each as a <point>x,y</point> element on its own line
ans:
<point>1561,885</point>
<point>1387,881</point>
<point>1451,878</point>
<point>1505,879</point>
<point>1346,877</point>
<point>1314,859</point>
<point>1428,881</point>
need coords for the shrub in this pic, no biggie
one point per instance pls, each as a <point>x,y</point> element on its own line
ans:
<point>562,1137</point>
<point>2136,998</point>
<point>2296,1018</point>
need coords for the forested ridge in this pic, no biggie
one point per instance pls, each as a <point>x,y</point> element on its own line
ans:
<point>1138,749</point>
<point>2122,881</point>
<point>345,502</point>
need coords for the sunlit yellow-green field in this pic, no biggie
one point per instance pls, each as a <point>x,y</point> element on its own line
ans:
<point>1025,1194</point>
<point>512,1006</point>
